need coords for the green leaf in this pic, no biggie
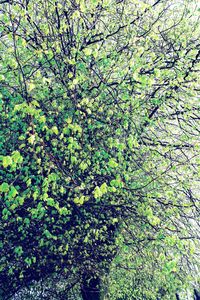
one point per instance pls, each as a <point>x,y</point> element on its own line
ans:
<point>28,261</point>
<point>20,200</point>
<point>35,103</point>
<point>2,77</point>
<point>19,250</point>
<point>7,161</point>
<point>27,221</point>
<point>28,182</point>
<point>103,188</point>
<point>112,163</point>
<point>53,176</point>
<point>13,192</point>
<point>16,156</point>
<point>30,86</point>
<point>55,130</point>
<point>64,211</point>
<point>4,187</point>
<point>31,139</point>
<point>97,192</point>
<point>83,166</point>
<point>87,51</point>
<point>80,200</point>
<point>42,119</point>
<point>6,213</point>
<point>50,202</point>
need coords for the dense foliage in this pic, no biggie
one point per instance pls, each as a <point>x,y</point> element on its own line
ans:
<point>99,144</point>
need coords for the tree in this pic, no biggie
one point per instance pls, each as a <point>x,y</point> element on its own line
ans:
<point>100,126</point>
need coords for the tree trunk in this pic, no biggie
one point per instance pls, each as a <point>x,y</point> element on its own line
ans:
<point>90,289</point>
<point>196,295</point>
<point>177,297</point>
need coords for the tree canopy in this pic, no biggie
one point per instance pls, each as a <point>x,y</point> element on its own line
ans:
<point>99,143</point>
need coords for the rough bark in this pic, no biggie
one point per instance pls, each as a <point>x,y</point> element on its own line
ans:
<point>90,288</point>
<point>196,295</point>
<point>177,297</point>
